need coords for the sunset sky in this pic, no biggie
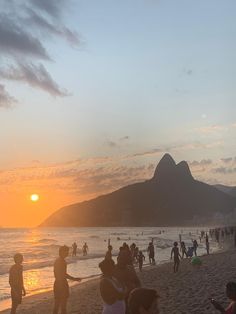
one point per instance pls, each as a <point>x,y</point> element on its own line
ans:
<point>93,93</point>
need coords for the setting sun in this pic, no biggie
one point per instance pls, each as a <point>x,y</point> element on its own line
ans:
<point>34,197</point>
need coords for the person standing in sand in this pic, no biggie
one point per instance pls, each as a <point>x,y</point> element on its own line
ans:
<point>175,252</point>
<point>112,290</point>
<point>74,249</point>
<point>141,258</point>
<point>61,287</point>
<point>109,253</point>
<point>16,282</point>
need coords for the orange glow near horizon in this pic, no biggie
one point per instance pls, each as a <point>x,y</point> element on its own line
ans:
<point>21,211</point>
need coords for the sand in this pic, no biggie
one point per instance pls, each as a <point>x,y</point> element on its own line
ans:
<point>185,292</point>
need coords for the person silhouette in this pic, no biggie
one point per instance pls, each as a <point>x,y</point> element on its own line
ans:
<point>16,282</point>
<point>61,287</point>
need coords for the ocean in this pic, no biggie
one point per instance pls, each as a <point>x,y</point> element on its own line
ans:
<point>40,249</point>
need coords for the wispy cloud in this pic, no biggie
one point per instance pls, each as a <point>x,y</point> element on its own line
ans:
<point>35,76</point>
<point>25,28</point>
<point>211,129</point>
<point>227,160</point>
<point>203,162</point>
<point>6,101</point>
<point>224,170</point>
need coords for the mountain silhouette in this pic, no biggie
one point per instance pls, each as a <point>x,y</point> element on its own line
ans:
<point>171,197</point>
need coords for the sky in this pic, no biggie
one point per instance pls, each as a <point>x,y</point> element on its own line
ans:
<point>94,93</point>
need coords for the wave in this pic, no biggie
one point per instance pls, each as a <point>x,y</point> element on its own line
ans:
<point>47,241</point>
<point>4,269</point>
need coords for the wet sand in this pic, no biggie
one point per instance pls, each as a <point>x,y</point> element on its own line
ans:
<point>185,292</point>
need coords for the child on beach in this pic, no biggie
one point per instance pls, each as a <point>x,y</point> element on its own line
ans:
<point>141,258</point>
<point>175,252</point>
<point>231,294</point>
<point>16,282</point>
<point>61,287</point>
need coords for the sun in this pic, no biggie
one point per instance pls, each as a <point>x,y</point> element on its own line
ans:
<point>34,197</point>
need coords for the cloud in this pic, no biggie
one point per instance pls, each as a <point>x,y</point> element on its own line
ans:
<point>6,101</point>
<point>211,129</point>
<point>224,170</point>
<point>16,41</point>
<point>35,76</point>
<point>52,7</point>
<point>111,144</point>
<point>227,160</point>
<point>203,162</point>
<point>154,151</point>
<point>124,138</point>
<point>25,28</point>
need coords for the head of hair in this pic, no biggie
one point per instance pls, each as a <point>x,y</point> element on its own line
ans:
<point>18,258</point>
<point>107,266</point>
<point>141,297</point>
<point>175,243</point>
<point>231,290</point>
<point>63,250</point>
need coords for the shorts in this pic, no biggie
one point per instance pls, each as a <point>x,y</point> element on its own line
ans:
<point>61,290</point>
<point>16,296</point>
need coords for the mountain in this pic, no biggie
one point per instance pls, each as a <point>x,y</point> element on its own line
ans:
<point>171,197</point>
<point>231,190</point>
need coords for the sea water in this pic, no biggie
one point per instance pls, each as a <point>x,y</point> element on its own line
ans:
<point>40,249</point>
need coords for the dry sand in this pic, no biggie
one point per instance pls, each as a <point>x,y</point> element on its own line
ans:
<point>185,292</point>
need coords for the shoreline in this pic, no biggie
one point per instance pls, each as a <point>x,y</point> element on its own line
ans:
<point>184,292</point>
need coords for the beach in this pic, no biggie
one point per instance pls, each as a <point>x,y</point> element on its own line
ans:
<point>187,291</point>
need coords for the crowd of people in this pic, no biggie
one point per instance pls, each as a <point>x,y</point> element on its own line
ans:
<point>120,287</point>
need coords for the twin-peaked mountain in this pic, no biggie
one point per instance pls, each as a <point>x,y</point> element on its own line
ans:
<point>171,197</point>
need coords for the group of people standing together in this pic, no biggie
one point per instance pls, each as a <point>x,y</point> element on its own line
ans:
<point>120,286</point>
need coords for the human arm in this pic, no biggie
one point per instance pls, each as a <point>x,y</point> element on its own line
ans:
<point>72,278</point>
<point>171,255</point>
<point>217,306</point>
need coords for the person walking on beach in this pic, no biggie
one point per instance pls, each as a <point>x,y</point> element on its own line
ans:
<point>112,290</point>
<point>61,287</point>
<point>85,249</point>
<point>175,252</point>
<point>195,246</point>
<point>231,294</point>
<point>151,253</point>
<point>16,282</point>
<point>207,245</point>
<point>74,249</point>
<point>140,258</point>
<point>183,249</point>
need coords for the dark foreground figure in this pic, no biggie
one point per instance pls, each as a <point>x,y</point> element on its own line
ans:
<point>231,294</point>
<point>16,282</point>
<point>143,301</point>
<point>61,287</point>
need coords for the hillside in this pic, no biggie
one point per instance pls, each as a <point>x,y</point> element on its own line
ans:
<point>171,197</point>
